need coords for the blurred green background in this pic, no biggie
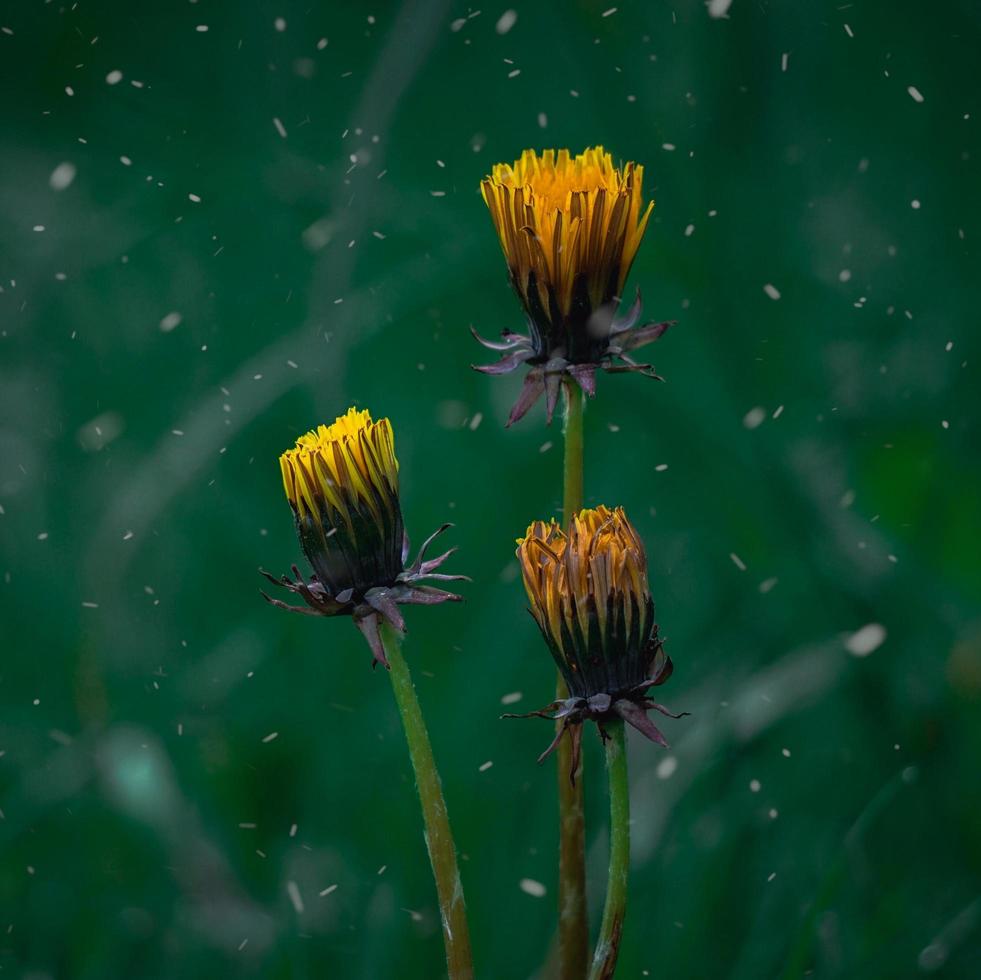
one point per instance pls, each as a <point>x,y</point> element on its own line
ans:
<point>809,470</point>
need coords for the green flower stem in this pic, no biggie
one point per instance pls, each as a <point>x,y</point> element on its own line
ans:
<point>572,466</point>
<point>439,837</point>
<point>573,919</point>
<point>608,944</point>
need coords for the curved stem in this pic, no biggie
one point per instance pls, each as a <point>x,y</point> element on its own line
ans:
<point>439,837</point>
<point>573,919</point>
<point>608,944</point>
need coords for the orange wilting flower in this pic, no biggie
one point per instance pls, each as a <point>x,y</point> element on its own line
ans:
<point>342,482</point>
<point>570,228</point>
<point>589,595</point>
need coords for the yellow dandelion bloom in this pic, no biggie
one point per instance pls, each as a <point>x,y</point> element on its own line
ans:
<point>342,483</point>
<point>589,595</point>
<point>570,227</point>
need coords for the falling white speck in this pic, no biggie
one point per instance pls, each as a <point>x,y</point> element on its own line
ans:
<point>767,585</point>
<point>506,21</point>
<point>485,766</point>
<point>39,227</point>
<point>531,887</point>
<point>478,417</point>
<point>785,753</point>
<point>294,893</point>
<point>778,411</point>
<point>737,561</point>
<point>69,90</point>
<point>866,640</point>
<point>718,8</point>
<point>43,536</point>
<point>280,128</point>
<point>62,176</point>
<point>755,785</point>
<point>772,875</point>
<point>771,291</point>
<point>670,147</point>
<point>784,59</point>
<point>202,28</point>
<point>754,417</point>
<point>126,161</point>
<point>280,24</point>
<point>660,468</point>
<point>114,77</point>
<point>270,737</point>
<point>513,698</point>
<point>689,231</point>
<point>945,424</point>
<point>170,321</point>
<point>194,198</point>
<point>542,120</point>
<point>848,30</point>
<point>844,275</point>
<point>328,890</point>
<point>667,767</point>
<point>606,13</point>
<point>915,94</point>
<point>915,204</point>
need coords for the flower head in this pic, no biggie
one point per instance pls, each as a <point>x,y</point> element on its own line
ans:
<point>570,228</point>
<point>589,595</point>
<point>342,483</point>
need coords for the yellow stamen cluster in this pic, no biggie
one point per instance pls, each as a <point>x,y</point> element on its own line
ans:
<point>560,216</point>
<point>601,557</point>
<point>350,464</point>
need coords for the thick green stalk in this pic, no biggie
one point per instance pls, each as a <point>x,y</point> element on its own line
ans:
<point>608,944</point>
<point>573,920</point>
<point>439,837</point>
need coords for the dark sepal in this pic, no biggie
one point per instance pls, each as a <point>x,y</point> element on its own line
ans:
<point>647,334</point>
<point>426,595</point>
<point>505,365</point>
<point>585,376</point>
<point>633,714</point>
<point>320,601</point>
<point>427,569</point>
<point>553,371</point>
<point>531,391</point>
<point>509,340</point>
<point>601,708</point>
<point>385,602</point>
<point>630,366</point>
<point>370,626</point>
<point>630,318</point>
<point>663,669</point>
